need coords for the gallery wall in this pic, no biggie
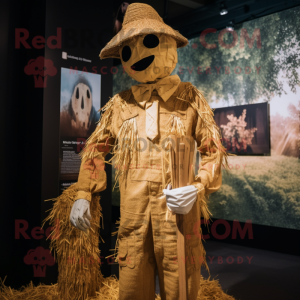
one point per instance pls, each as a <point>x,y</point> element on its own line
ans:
<point>85,30</point>
<point>21,132</point>
<point>47,49</point>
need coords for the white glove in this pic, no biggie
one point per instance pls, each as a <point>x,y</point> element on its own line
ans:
<point>80,214</point>
<point>181,200</point>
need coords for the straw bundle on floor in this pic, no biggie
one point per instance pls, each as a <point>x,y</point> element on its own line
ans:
<point>209,290</point>
<point>76,252</point>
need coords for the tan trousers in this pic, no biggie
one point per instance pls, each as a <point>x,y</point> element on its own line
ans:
<point>148,242</point>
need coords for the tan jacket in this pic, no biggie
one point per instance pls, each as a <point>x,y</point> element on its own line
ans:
<point>121,130</point>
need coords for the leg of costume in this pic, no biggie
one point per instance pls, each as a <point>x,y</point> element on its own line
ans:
<point>165,247</point>
<point>136,251</point>
<point>147,240</point>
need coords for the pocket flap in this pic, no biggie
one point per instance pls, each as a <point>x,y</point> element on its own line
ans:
<point>123,249</point>
<point>129,111</point>
<point>126,253</point>
<point>179,113</point>
<point>131,221</point>
<point>152,175</point>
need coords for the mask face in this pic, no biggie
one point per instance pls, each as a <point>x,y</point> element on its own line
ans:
<point>149,57</point>
<point>82,105</point>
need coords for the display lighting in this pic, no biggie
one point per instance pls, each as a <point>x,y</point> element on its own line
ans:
<point>223,9</point>
<point>230,26</point>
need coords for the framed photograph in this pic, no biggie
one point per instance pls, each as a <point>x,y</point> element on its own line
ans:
<point>80,100</point>
<point>245,128</point>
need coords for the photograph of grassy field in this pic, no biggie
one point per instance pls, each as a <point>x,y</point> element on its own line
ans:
<point>264,190</point>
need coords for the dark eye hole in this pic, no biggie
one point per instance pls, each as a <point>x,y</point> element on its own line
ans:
<point>126,53</point>
<point>151,41</point>
<point>88,94</point>
<point>77,93</point>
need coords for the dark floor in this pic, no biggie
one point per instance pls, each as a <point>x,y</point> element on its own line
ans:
<point>268,275</point>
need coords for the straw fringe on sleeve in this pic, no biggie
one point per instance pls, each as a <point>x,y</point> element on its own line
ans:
<point>209,145</point>
<point>101,133</point>
<point>124,147</point>
<point>77,253</point>
<point>212,132</point>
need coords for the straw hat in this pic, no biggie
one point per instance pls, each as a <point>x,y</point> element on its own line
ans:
<point>140,19</point>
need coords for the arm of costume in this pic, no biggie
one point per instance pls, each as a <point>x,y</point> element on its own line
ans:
<point>208,138</point>
<point>92,175</point>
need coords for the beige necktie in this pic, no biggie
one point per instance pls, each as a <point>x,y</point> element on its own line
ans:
<point>152,119</point>
<point>165,88</point>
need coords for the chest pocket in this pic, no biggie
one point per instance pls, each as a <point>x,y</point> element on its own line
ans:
<point>174,107</point>
<point>123,113</point>
<point>129,111</point>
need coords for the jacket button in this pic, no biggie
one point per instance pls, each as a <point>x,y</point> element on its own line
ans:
<point>153,193</point>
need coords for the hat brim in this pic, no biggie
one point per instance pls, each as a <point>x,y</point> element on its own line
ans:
<point>146,26</point>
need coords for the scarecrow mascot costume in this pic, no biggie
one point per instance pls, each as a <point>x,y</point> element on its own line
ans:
<point>134,127</point>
